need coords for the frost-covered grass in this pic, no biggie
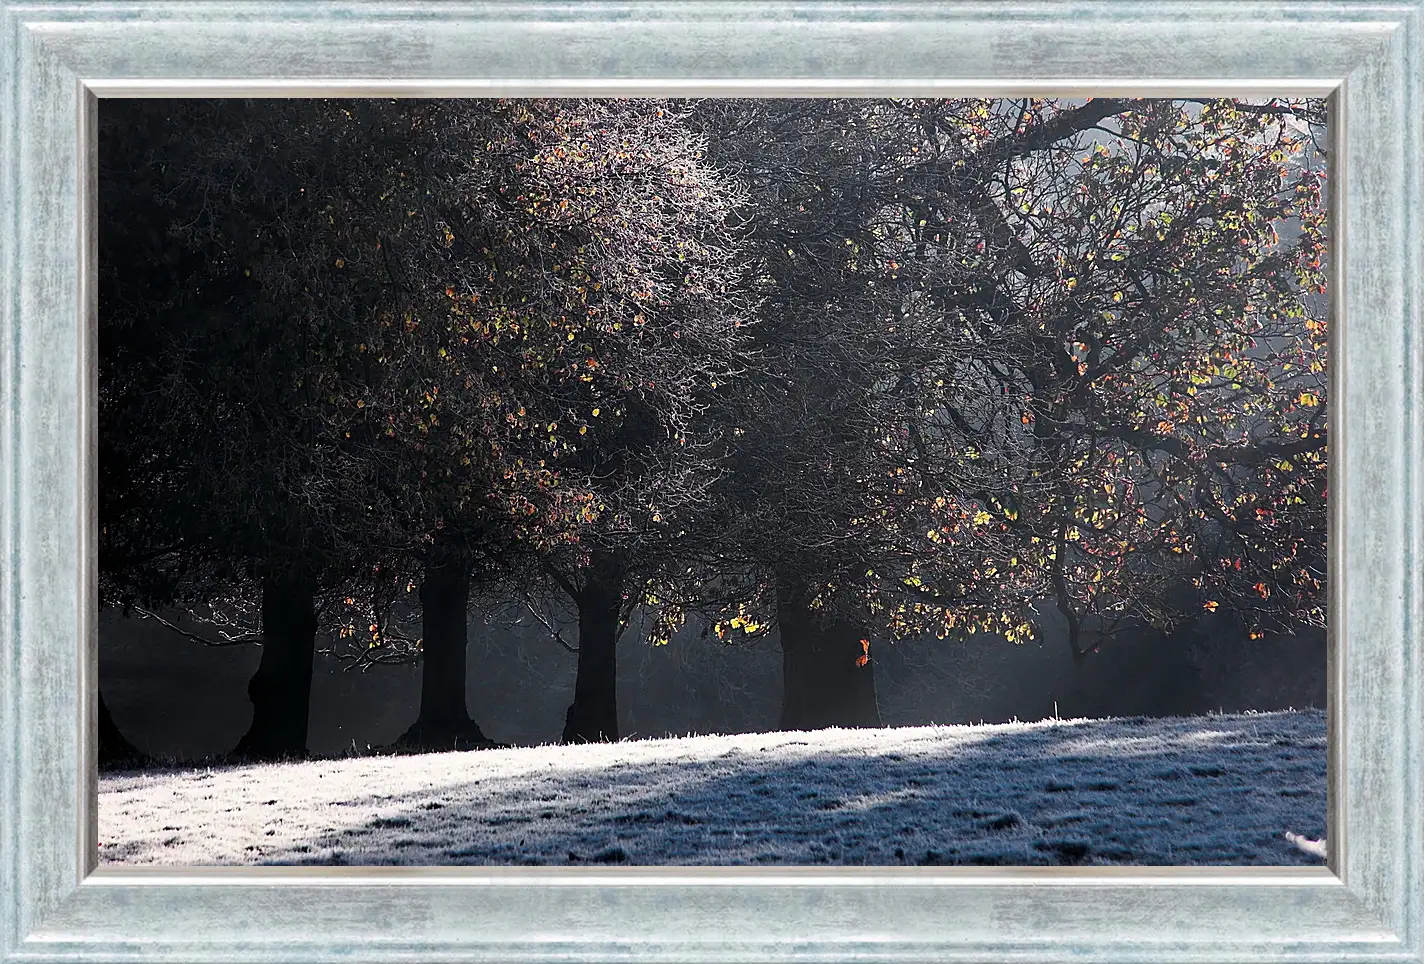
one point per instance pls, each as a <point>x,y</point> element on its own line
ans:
<point>1200,790</point>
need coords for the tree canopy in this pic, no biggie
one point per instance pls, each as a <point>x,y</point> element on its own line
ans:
<point>860,369</point>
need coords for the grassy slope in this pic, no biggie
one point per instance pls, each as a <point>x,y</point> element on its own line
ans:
<point>1199,790</point>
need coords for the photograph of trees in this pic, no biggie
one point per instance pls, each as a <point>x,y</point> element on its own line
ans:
<point>834,409</point>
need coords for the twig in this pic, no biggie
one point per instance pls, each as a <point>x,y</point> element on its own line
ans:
<point>553,631</point>
<point>1317,848</point>
<point>253,638</point>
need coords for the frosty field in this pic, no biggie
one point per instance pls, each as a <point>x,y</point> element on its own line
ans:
<point>1199,790</point>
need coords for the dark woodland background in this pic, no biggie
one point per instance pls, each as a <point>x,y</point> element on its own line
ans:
<point>178,699</point>
<point>709,416</point>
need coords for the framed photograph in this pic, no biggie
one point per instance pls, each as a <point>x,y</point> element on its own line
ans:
<point>850,327</point>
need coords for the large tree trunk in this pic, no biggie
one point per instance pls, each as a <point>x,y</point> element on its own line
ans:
<point>825,680</point>
<point>113,748</point>
<point>443,722</point>
<point>281,689</point>
<point>593,716</point>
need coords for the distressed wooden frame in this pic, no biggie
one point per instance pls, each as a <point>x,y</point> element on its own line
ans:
<point>58,57</point>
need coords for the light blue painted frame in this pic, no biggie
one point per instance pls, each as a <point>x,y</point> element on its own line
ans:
<point>59,56</point>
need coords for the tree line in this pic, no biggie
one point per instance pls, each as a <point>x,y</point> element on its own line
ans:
<point>853,369</point>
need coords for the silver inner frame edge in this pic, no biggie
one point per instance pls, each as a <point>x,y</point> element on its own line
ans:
<point>91,874</point>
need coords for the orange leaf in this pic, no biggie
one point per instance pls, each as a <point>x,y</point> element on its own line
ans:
<point>865,656</point>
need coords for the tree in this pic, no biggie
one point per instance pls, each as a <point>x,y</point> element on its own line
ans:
<point>824,482</point>
<point>536,400</point>
<point>224,314</point>
<point>997,325</point>
<point>112,748</point>
<point>475,337</point>
<point>1168,357</point>
<point>638,293</point>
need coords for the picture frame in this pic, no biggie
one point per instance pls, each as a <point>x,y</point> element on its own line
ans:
<point>60,57</point>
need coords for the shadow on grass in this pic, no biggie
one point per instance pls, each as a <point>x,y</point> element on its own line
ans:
<point>1207,790</point>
